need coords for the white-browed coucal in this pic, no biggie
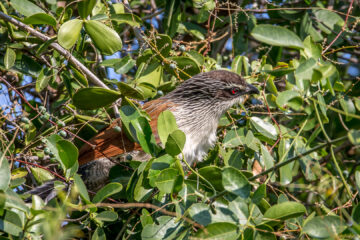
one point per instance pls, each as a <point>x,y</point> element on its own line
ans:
<point>197,105</point>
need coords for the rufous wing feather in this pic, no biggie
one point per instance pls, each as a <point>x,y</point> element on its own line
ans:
<point>110,143</point>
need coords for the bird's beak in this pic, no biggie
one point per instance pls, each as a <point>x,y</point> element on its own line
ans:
<point>250,89</point>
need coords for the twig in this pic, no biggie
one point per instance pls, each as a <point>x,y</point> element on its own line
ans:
<point>92,77</point>
<point>137,30</point>
<point>342,29</point>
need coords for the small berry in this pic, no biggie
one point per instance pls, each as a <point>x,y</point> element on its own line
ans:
<point>47,151</point>
<point>60,123</point>
<point>172,66</point>
<point>26,126</point>
<point>44,117</point>
<point>117,129</point>
<point>182,48</point>
<point>241,122</point>
<point>53,160</point>
<point>24,120</point>
<point>255,101</point>
<point>42,109</point>
<point>243,114</point>
<point>129,157</point>
<point>160,93</point>
<point>226,58</point>
<point>62,133</point>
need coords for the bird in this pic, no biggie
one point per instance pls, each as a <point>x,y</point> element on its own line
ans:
<point>197,105</point>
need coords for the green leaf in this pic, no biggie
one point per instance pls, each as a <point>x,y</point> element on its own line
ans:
<point>69,33</point>
<point>142,133</point>
<point>161,45</point>
<point>237,64</point>
<point>202,214</point>
<point>130,91</point>
<point>324,226</point>
<point>168,228</point>
<point>11,223</point>
<point>26,7</point>
<point>348,106</point>
<point>41,18</point>
<point>166,124</point>
<point>150,73</point>
<point>357,180</point>
<point>185,67</point>
<point>211,173</point>
<point>223,231</point>
<point>104,38</point>
<point>43,79</point>
<point>124,65</point>
<point>168,179</point>
<point>107,191</point>
<point>145,217</point>
<point>81,187</point>
<point>264,128</point>
<point>289,98</point>
<point>277,36</point>
<point>9,58</point>
<point>259,194</point>
<point>235,182</point>
<point>94,97</point>
<point>196,56</point>
<point>157,165</point>
<point>41,175</point>
<point>85,7</point>
<point>330,21</point>
<point>279,72</point>
<point>128,18</point>
<point>68,153</point>
<point>305,70</point>
<point>107,216</point>
<point>175,142</point>
<point>194,29</point>
<point>311,49</point>
<point>268,161</point>
<point>4,172</point>
<point>234,138</point>
<point>18,173</point>
<point>283,211</point>
<point>99,234</point>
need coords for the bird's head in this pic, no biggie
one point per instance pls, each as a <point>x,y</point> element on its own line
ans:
<point>217,90</point>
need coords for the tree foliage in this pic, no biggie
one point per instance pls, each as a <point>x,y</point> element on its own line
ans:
<point>286,164</point>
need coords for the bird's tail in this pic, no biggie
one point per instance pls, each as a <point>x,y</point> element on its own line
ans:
<point>46,191</point>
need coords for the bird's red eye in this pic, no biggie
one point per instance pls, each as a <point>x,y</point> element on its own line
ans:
<point>234,91</point>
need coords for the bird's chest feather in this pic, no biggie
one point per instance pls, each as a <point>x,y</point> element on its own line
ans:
<point>198,141</point>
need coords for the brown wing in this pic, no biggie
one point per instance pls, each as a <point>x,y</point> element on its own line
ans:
<point>110,143</point>
<point>154,108</point>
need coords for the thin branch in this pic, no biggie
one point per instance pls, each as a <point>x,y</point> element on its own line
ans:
<point>137,30</point>
<point>342,29</point>
<point>92,77</point>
